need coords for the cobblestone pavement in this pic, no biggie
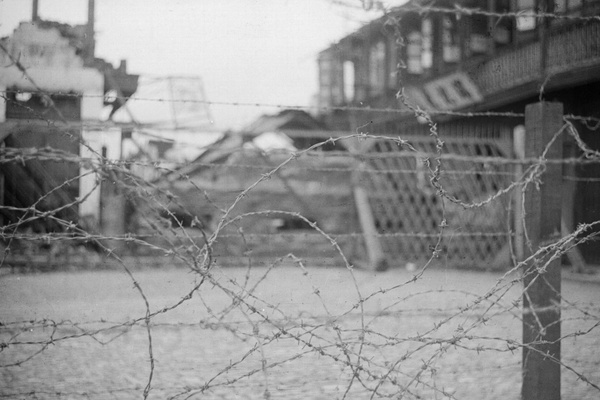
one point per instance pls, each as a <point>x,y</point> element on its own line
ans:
<point>232,352</point>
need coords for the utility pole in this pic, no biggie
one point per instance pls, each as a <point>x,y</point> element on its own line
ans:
<point>542,276</point>
<point>34,11</point>
<point>90,41</point>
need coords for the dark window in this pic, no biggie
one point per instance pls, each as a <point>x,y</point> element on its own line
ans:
<point>502,28</point>
<point>427,43</point>
<point>40,182</point>
<point>450,39</point>
<point>292,224</point>
<point>377,68</point>
<point>26,105</point>
<point>413,53</point>
<point>479,37</point>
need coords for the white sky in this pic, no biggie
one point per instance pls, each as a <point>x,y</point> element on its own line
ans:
<point>246,51</point>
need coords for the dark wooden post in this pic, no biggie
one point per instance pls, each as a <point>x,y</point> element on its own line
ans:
<point>541,298</point>
<point>90,32</point>
<point>491,7</point>
<point>544,6</point>
<point>519,149</point>
<point>34,11</point>
<point>375,253</point>
<point>377,260</point>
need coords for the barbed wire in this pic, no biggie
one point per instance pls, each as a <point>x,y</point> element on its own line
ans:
<point>383,337</point>
<point>22,155</point>
<point>279,106</point>
<point>459,10</point>
<point>327,350</point>
<point>55,237</point>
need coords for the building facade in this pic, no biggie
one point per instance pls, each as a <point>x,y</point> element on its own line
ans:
<point>455,58</point>
<point>480,58</point>
<point>54,95</point>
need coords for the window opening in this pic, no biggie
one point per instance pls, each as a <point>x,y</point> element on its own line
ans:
<point>427,43</point>
<point>291,224</point>
<point>23,97</point>
<point>413,53</point>
<point>478,41</point>
<point>377,68</point>
<point>503,26</point>
<point>349,81</point>
<point>325,99</point>
<point>393,64</point>
<point>567,6</point>
<point>526,21</point>
<point>450,39</point>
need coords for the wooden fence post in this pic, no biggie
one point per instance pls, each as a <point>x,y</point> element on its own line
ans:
<point>541,297</point>
<point>519,150</point>
<point>377,260</point>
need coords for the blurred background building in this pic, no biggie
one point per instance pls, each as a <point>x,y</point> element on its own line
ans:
<point>453,58</point>
<point>54,91</point>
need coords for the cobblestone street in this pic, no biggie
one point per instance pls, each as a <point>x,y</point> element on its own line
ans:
<point>234,354</point>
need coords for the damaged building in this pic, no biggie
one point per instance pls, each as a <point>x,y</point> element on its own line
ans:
<point>54,94</point>
<point>473,66</point>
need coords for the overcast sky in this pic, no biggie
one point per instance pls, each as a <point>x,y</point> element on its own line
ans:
<point>245,51</point>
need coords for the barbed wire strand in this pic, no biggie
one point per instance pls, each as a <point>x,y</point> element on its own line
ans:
<point>252,318</point>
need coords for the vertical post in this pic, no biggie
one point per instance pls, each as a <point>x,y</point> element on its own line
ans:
<point>375,252</point>
<point>541,297</point>
<point>491,7</point>
<point>91,41</point>
<point>34,11</point>
<point>519,150</point>
<point>544,6</point>
<point>377,259</point>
